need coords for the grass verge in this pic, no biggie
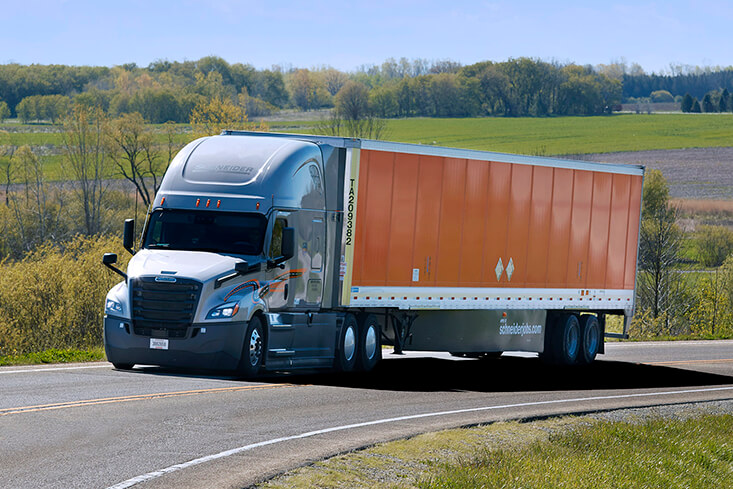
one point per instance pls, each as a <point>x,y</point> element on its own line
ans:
<point>54,356</point>
<point>691,451</point>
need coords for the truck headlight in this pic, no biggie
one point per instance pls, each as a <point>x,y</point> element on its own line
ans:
<point>112,307</point>
<point>223,311</point>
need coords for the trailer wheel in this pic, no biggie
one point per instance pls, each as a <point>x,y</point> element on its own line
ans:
<point>347,346</point>
<point>253,349</point>
<point>369,350</point>
<point>566,340</point>
<point>590,338</point>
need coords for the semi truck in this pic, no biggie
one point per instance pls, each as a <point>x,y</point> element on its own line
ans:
<point>276,252</point>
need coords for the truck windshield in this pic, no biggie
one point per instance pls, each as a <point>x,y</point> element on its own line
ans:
<point>219,232</point>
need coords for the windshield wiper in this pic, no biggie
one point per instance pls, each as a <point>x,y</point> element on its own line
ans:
<point>159,245</point>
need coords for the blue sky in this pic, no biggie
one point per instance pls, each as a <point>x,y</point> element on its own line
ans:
<point>346,34</point>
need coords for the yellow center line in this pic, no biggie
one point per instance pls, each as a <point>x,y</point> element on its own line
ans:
<point>137,397</point>
<point>691,362</point>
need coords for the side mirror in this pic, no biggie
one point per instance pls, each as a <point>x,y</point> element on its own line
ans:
<point>288,243</point>
<point>128,235</point>
<point>110,259</point>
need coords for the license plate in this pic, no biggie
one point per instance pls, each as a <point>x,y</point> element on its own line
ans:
<point>158,344</point>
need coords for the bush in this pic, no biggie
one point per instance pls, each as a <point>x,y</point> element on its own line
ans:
<point>54,297</point>
<point>714,245</point>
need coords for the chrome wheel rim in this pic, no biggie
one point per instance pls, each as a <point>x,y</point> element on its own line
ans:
<point>255,347</point>
<point>370,342</point>
<point>349,346</point>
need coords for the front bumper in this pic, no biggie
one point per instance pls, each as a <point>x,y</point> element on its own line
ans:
<point>219,348</point>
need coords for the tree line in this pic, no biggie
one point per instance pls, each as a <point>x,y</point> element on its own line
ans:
<point>169,91</point>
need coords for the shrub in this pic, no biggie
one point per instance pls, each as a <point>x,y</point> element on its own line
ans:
<point>714,244</point>
<point>54,297</point>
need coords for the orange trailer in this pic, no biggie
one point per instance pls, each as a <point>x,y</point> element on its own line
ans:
<point>441,229</point>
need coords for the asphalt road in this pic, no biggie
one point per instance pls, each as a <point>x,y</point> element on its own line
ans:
<point>89,425</point>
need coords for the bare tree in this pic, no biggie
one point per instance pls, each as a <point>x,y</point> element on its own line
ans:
<point>6,168</point>
<point>130,146</point>
<point>85,161</point>
<point>660,285</point>
<point>37,213</point>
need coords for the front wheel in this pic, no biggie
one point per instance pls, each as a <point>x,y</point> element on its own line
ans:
<point>369,347</point>
<point>253,349</point>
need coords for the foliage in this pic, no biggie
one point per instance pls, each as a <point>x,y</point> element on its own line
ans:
<point>138,159</point>
<point>86,163</point>
<point>714,245</point>
<point>712,312</point>
<point>54,355</point>
<point>659,285</point>
<point>661,96</point>
<point>42,107</point>
<point>54,297</point>
<point>696,81</point>
<point>687,103</point>
<point>4,111</point>
<point>353,115</point>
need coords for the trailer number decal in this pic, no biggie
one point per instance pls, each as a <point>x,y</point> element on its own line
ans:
<point>350,215</point>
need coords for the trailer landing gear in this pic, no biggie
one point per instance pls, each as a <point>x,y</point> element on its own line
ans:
<point>401,326</point>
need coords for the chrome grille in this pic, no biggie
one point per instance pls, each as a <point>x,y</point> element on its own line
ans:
<point>163,309</point>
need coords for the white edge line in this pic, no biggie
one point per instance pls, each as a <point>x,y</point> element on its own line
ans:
<point>41,369</point>
<point>234,451</point>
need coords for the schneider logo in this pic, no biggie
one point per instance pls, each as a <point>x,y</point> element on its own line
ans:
<point>244,170</point>
<point>517,329</point>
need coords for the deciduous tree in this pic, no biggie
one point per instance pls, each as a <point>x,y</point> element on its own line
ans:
<point>86,163</point>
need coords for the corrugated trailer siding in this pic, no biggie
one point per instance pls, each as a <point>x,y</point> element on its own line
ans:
<point>453,219</point>
<point>473,257</point>
<point>539,226</point>
<point>633,233</point>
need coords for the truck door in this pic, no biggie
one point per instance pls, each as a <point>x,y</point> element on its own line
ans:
<point>275,291</point>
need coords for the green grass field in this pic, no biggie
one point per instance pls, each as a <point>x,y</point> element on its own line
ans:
<point>532,136</point>
<point>559,135</point>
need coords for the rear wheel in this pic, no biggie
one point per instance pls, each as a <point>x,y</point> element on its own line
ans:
<point>566,340</point>
<point>346,351</point>
<point>590,338</point>
<point>369,350</point>
<point>253,349</point>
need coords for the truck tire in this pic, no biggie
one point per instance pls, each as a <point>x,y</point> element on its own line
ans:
<point>346,350</point>
<point>253,350</point>
<point>566,340</point>
<point>369,348</point>
<point>590,339</point>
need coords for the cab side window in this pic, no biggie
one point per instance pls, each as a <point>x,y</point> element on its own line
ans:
<point>277,237</point>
